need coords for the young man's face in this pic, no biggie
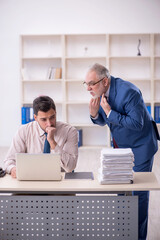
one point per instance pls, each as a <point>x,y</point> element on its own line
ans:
<point>46,119</point>
<point>99,88</point>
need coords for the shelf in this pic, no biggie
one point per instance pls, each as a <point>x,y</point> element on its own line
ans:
<point>74,80</point>
<point>77,102</point>
<point>138,79</point>
<point>92,147</point>
<point>31,103</point>
<point>74,54</point>
<point>41,46</point>
<point>157,45</point>
<point>33,90</point>
<point>40,58</point>
<point>85,57</point>
<point>156,102</point>
<point>88,125</point>
<point>85,45</point>
<point>157,68</point>
<point>129,57</point>
<point>42,81</point>
<point>136,68</point>
<point>127,44</point>
<point>77,68</point>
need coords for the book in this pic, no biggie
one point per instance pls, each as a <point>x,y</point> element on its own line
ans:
<point>49,73</point>
<point>58,73</point>
<point>54,73</point>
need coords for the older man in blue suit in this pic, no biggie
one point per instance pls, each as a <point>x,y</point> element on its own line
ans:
<point>120,105</point>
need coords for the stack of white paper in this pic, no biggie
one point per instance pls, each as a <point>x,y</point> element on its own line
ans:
<point>116,166</point>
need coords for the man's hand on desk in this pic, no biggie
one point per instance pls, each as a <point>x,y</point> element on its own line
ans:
<point>13,172</point>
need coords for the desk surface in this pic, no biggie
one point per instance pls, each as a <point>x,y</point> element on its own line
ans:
<point>142,182</point>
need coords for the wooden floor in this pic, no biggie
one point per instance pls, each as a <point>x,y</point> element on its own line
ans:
<point>89,160</point>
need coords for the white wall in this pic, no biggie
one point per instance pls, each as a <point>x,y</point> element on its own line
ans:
<point>60,16</point>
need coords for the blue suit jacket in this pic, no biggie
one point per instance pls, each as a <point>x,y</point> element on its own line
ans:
<point>129,121</point>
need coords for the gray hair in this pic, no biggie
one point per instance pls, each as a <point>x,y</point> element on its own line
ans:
<point>100,70</point>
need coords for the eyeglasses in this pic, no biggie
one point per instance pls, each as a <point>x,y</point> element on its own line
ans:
<point>91,84</point>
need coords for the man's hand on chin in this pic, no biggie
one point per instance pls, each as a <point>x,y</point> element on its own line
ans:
<point>50,137</point>
<point>94,106</point>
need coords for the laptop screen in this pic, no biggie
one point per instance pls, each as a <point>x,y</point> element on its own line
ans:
<point>42,167</point>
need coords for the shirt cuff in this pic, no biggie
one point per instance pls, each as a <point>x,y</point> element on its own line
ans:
<point>94,118</point>
<point>9,168</point>
<point>56,150</point>
<point>109,113</point>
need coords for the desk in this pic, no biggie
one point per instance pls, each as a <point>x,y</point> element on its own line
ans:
<point>49,210</point>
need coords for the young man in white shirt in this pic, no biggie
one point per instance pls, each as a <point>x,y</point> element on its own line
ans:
<point>30,138</point>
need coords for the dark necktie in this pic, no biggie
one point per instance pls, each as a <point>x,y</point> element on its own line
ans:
<point>46,145</point>
<point>114,143</point>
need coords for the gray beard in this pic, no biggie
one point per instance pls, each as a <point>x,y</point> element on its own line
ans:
<point>95,96</point>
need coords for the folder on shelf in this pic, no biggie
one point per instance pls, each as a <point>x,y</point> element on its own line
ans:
<point>79,137</point>
<point>23,114</point>
<point>27,114</point>
<point>157,114</point>
<point>149,109</point>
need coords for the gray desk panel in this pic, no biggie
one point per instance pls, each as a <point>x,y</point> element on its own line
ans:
<point>68,217</point>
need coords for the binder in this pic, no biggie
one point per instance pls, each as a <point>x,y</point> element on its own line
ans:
<point>27,114</point>
<point>79,137</point>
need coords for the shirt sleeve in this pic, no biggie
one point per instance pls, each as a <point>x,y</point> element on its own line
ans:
<point>69,150</point>
<point>96,117</point>
<point>133,116</point>
<point>17,146</point>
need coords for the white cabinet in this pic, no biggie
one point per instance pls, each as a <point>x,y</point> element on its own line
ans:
<point>43,55</point>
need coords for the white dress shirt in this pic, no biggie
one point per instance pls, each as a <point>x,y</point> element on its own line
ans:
<point>30,139</point>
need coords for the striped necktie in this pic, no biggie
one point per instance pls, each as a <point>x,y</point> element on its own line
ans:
<point>46,145</point>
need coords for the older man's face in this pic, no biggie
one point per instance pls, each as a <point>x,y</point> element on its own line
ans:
<point>96,90</point>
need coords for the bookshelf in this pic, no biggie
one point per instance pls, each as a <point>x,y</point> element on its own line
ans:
<point>73,54</point>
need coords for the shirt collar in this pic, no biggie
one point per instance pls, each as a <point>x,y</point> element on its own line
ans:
<point>41,131</point>
<point>107,93</point>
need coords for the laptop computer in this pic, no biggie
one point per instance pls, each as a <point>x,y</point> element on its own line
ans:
<point>43,167</point>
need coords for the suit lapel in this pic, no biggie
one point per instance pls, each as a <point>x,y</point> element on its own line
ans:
<point>112,92</point>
